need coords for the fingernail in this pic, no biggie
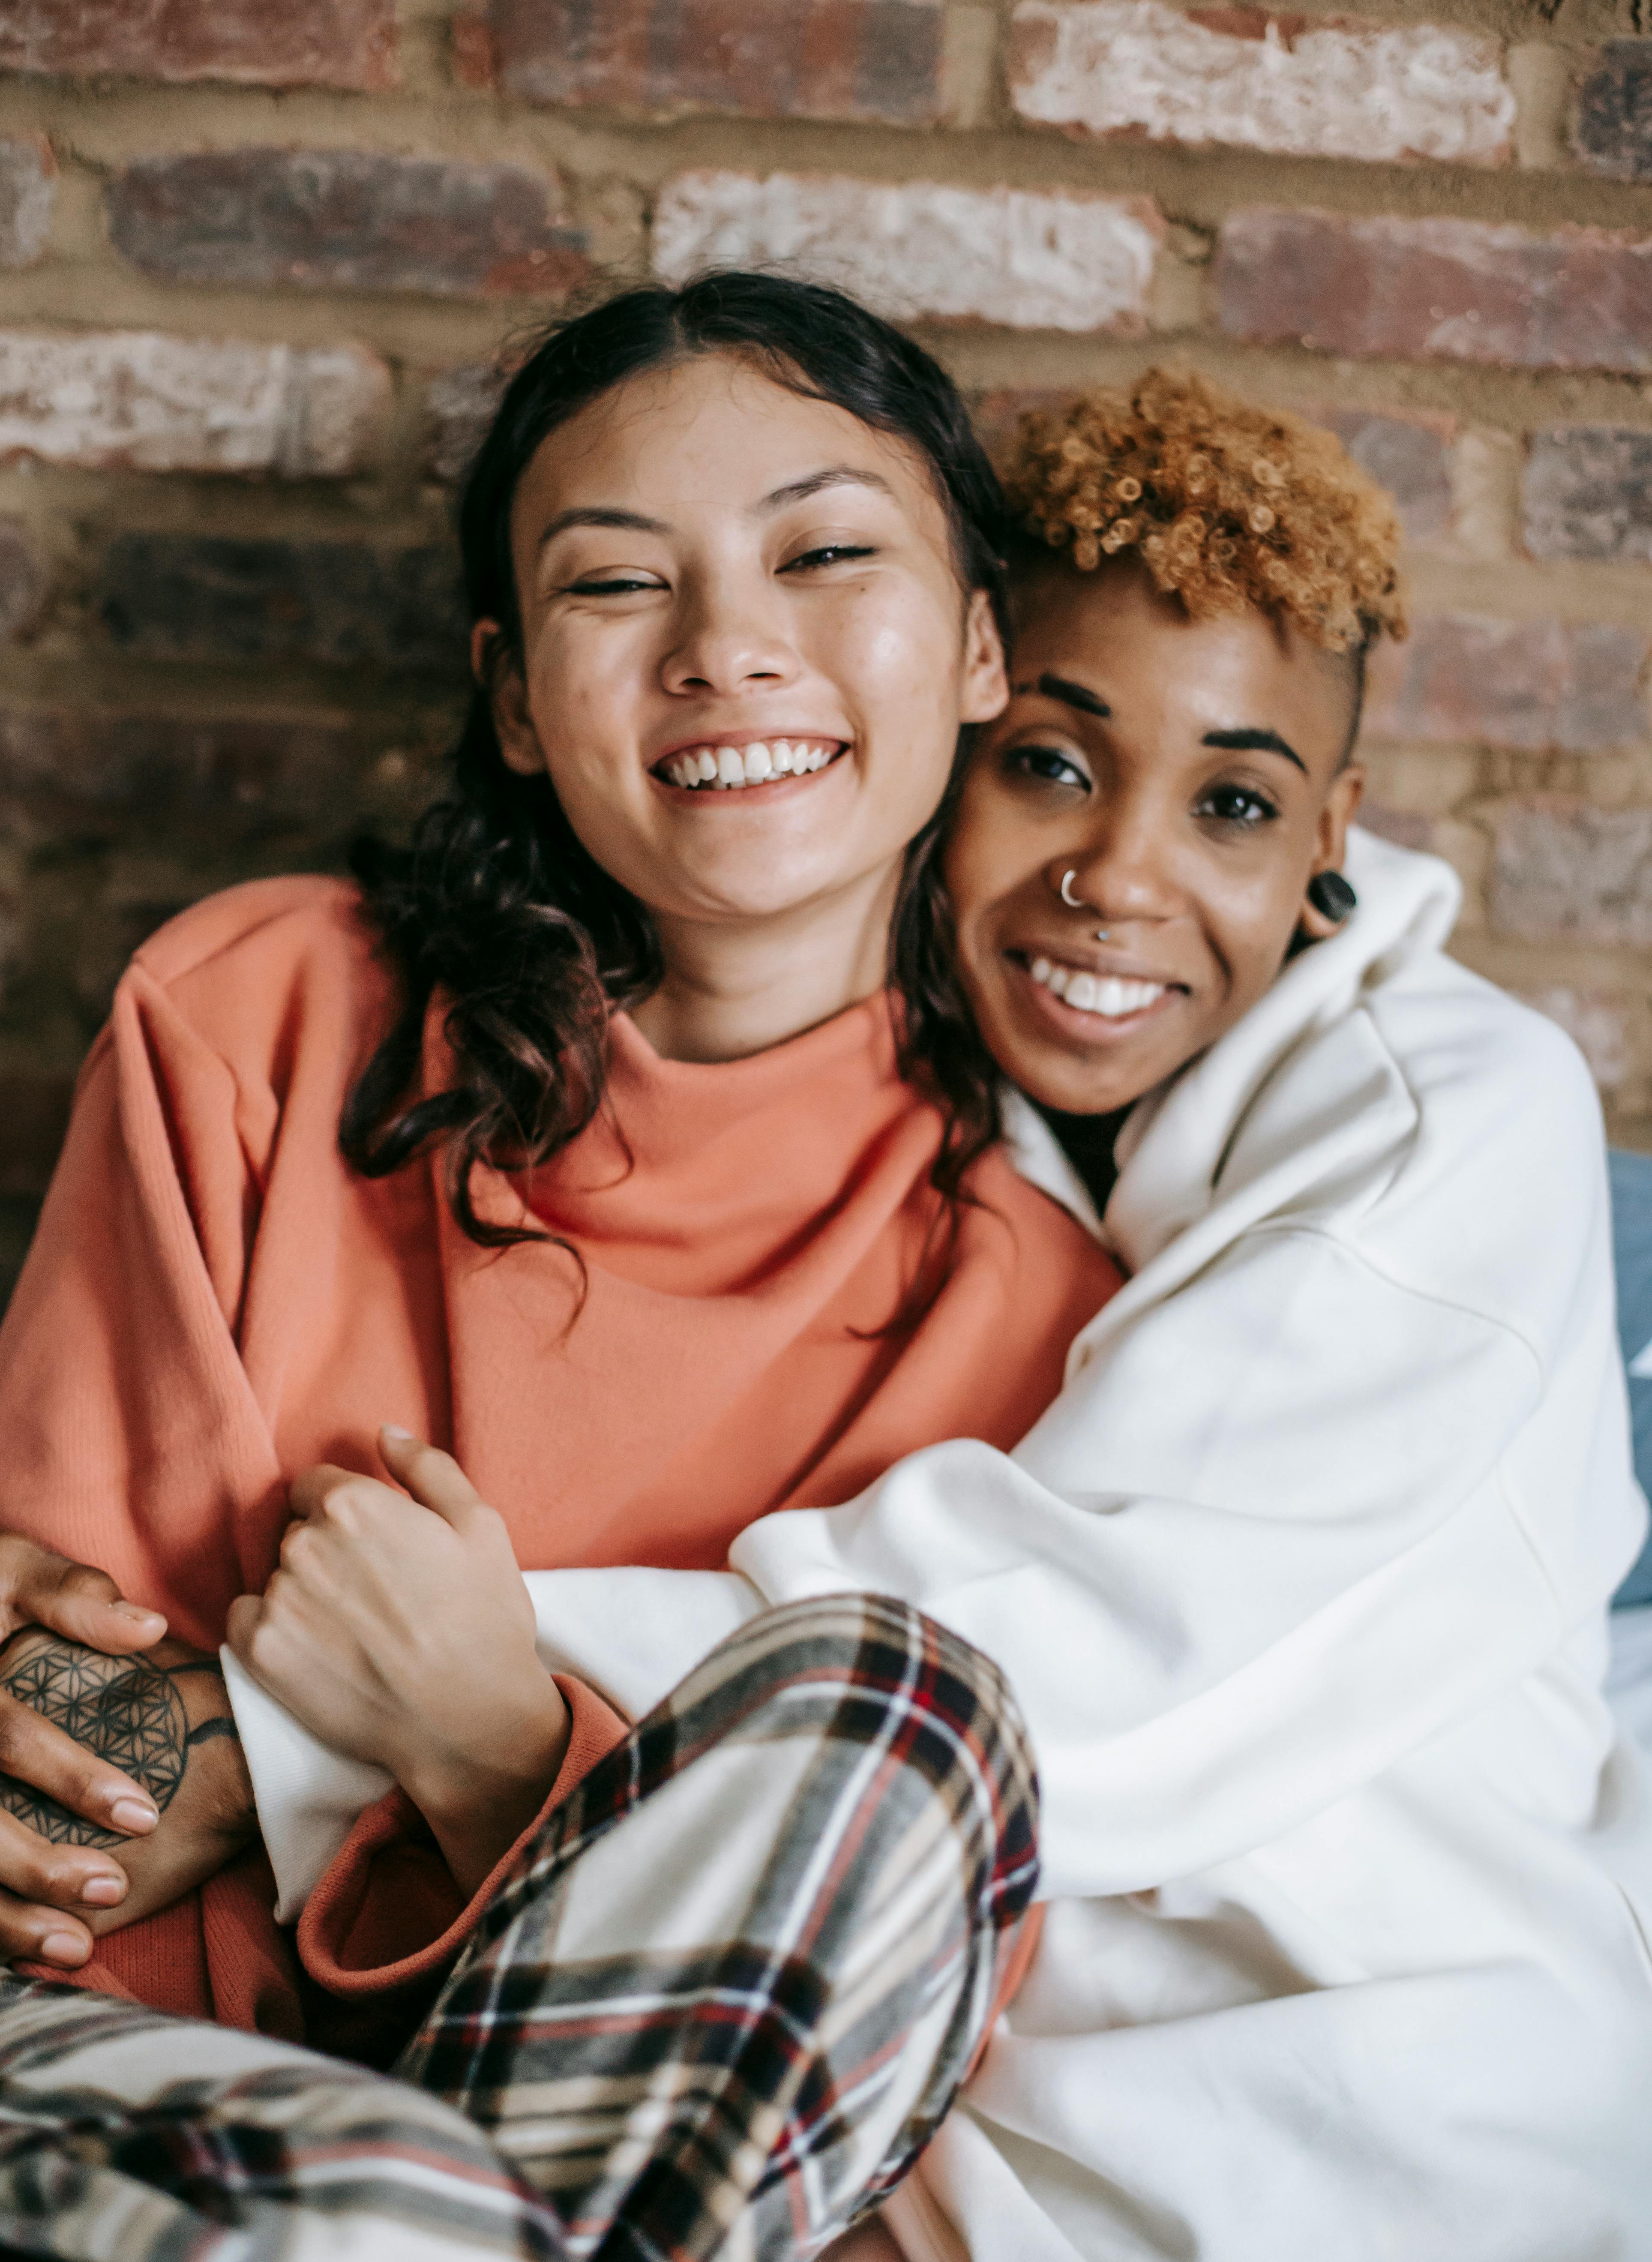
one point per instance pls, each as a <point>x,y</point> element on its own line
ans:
<point>132,1611</point>
<point>63,1947</point>
<point>132,1814</point>
<point>402,1437</point>
<point>103,1891</point>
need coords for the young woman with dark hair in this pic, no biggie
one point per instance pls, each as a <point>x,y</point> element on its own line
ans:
<point>608,1135</point>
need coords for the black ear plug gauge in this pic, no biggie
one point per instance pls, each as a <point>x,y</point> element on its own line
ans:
<point>1331,895</point>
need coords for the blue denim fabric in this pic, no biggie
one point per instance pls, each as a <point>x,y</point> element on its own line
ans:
<point>1632,1257</point>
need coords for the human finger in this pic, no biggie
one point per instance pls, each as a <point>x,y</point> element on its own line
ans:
<point>245,1616</point>
<point>39,1587</point>
<point>434,1478</point>
<point>41,1760</point>
<point>52,1890</point>
<point>30,1933</point>
<point>311,1490</point>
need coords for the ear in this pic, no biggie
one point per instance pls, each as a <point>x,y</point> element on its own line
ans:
<point>985,690</point>
<point>500,677</point>
<point>1347,788</point>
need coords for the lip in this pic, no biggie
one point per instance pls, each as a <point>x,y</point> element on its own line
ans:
<point>1094,1030</point>
<point>1091,962</point>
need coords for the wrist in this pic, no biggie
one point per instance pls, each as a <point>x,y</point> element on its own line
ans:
<point>484,1796</point>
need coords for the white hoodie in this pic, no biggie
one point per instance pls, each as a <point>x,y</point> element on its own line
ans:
<point>1302,1585</point>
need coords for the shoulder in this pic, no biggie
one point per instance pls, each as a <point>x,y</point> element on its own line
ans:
<point>296,920</point>
<point>275,978</point>
<point>1483,1065</point>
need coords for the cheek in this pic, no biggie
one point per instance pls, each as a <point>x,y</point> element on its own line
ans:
<point>892,653</point>
<point>1251,916</point>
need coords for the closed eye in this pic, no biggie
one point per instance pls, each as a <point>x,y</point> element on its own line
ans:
<point>618,586</point>
<point>829,553</point>
<point>1242,807</point>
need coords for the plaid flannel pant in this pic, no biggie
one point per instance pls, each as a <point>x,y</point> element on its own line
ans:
<point>719,2006</point>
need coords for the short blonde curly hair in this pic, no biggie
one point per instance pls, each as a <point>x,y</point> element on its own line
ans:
<point>1227,506</point>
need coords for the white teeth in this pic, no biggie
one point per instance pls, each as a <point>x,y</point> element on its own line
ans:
<point>1106,994</point>
<point>727,767</point>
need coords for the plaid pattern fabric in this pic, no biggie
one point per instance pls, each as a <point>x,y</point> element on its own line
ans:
<point>719,2006</point>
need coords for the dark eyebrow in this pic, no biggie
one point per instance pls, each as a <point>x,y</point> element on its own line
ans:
<point>836,475</point>
<point>631,521</point>
<point>1070,695</point>
<point>1253,742</point>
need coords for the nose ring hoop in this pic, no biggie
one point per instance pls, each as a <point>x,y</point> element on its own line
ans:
<point>1073,902</point>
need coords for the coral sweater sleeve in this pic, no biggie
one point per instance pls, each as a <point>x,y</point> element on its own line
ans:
<point>134,1440</point>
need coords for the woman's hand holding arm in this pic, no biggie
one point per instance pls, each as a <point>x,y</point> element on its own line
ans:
<point>87,1687</point>
<point>399,1629</point>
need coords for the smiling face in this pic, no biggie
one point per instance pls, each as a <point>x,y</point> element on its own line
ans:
<point>746,651</point>
<point>1189,775</point>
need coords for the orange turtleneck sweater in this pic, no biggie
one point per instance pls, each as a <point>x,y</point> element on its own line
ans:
<point>213,1301</point>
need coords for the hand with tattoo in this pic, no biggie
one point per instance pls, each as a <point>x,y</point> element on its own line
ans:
<point>164,1719</point>
<point>399,1630</point>
<point>50,1892</point>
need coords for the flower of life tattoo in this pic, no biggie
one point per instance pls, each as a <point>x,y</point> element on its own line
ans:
<point>124,1709</point>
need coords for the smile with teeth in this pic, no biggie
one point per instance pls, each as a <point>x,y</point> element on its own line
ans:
<point>1106,994</point>
<point>721,767</point>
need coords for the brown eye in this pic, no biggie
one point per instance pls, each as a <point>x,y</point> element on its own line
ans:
<point>1241,806</point>
<point>1047,764</point>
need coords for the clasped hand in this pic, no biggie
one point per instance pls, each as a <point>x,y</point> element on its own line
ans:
<point>398,1629</point>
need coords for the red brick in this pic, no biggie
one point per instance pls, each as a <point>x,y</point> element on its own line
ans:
<point>460,404</point>
<point>343,219</point>
<point>28,190</point>
<point>1408,455</point>
<point>188,596</point>
<point>138,400</point>
<point>223,785</point>
<point>1407,828</point>
<point>1447,289</point>
<point>923,248</point>
<point>1587,492</point>
<point>348,43</point>
<point>1534,686</point>
<point>852,58</point>
<point>1564,871</point>
<point>1612,129</point>
<point>1251,79</point>
<point>22,582</point>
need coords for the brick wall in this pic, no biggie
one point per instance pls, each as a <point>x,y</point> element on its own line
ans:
<point>256,257</point>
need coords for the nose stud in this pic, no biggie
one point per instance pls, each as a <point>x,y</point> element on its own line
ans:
<point>1074,903</point>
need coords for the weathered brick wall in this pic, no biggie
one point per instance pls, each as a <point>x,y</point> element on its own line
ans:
<point>257,256</point>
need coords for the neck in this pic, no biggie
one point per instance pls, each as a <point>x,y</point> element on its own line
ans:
<point>733,989</point>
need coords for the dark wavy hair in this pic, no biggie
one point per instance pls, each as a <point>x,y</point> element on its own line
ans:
<point>497,905</point>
